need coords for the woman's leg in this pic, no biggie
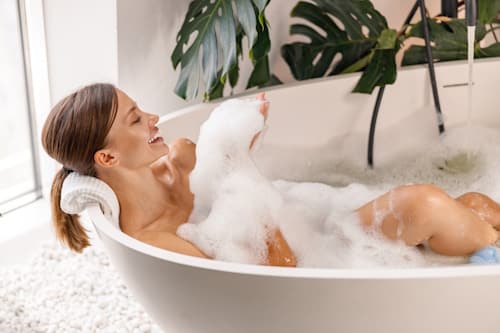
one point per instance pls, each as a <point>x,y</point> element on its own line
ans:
<point>419,213</point>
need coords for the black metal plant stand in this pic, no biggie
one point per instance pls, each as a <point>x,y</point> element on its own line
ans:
<point>430,64</point>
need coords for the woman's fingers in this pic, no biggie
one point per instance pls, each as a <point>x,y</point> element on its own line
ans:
<point>265,104</point>
<point>264,109</point>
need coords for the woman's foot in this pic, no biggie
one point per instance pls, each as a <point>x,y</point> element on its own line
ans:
<point>486,208</point>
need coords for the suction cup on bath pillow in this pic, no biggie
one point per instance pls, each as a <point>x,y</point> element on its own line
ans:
<point>487,255</point>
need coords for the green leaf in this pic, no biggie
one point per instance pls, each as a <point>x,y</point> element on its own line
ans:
<point>273,81</point>
<point>449,40</point>
<point>260,74</point>
<point>227,31</point>
<point>299,59</point>
<point>246,14</point>
<point>359,65</point>
<point>382,67</point>
<point>350,29</point>
<point>234,75</point>
<point>261,4</point>
<point>487,11</point>
<point>215,93</point>
<point>491,51</point>
<point>262,44</point>
<point>209,61</point>
<point>209,42</point>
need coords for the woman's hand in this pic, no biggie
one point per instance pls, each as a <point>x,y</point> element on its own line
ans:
<point>264,109</point>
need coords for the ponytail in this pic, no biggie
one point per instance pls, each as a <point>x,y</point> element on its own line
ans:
<point>77,127</point>
<point>67,227</point>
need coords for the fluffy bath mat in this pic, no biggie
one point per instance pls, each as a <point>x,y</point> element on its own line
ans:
<point>60,291</point>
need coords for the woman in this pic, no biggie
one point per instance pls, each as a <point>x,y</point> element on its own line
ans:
<point>99,131</point>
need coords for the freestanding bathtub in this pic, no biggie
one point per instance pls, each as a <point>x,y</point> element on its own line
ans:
<point>185,294</point>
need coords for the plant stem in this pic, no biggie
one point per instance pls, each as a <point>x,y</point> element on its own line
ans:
<point>373,123</point>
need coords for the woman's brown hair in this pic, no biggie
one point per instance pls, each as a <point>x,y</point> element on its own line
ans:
<point>75,129</point>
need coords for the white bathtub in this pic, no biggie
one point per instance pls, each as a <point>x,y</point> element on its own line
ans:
<point>186,294</point>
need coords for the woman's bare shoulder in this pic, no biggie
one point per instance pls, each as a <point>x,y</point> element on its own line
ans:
<point>169,241</point>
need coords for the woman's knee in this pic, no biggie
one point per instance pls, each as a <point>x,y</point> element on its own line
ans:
<point>424,211</point>
<point>425,190</point>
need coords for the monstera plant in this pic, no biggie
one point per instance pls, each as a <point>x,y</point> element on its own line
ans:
<point>362,39</point>
<point>217,29</point>
<point>342,37</point>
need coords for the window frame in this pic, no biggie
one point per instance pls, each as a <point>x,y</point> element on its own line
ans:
<point>32,32</point>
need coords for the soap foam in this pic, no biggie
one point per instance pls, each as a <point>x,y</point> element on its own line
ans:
<point>235,205</point>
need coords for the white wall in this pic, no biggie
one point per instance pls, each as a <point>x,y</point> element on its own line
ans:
<point>146,37</point>
<point>81,44</point>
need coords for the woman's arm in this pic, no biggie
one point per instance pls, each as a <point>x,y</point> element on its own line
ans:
<point>279,253</point>
<point>168,241</point>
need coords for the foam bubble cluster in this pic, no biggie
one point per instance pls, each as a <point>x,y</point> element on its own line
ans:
<point>235,207</point>
<point>61,291</point>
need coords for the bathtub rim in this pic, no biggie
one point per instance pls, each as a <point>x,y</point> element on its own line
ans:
<point>293,84</point>
<point>459,271</point>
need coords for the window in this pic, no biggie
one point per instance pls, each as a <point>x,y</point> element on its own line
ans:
<point>19,171</point>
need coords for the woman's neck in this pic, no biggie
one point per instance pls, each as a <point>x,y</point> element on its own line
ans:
<point>145,203</point>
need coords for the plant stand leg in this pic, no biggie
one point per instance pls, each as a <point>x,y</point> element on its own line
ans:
<point>449,8</point>
<point>430,64</point>
<point>411,14</point>
<point>371,138</point>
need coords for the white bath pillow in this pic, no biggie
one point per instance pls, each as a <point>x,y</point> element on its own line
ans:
<point>78,192</point>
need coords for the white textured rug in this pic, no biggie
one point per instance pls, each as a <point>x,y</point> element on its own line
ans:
<point>61,291</point>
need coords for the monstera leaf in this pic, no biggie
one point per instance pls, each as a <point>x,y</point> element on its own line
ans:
<point>349,29</point>
<point>381,69</point>
<point>449,40</point>
<point>488,11</point>
<point>210,42</point>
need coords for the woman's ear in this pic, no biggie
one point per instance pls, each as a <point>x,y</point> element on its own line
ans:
<point>106,158</point>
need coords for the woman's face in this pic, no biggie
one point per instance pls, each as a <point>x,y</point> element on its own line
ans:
<point>135,139</point>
